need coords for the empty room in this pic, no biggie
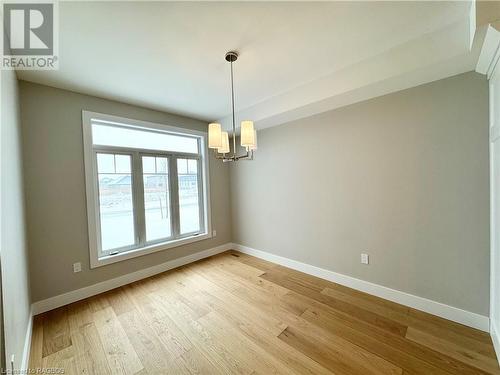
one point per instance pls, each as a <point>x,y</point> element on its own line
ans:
<point>250,187</point>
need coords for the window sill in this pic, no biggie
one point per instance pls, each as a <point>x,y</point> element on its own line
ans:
<point>102,261</point>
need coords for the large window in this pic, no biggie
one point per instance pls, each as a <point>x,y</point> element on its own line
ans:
<point>146,187</point>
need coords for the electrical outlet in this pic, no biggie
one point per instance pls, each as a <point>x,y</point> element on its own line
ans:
<point>214,233</point>
<point>77,267</point>
<point>365,259</point>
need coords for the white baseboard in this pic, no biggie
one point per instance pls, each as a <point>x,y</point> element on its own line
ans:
<point>495,338</point>
<point>27,345</point>
<point>92,290</point>
<point>432,307</point>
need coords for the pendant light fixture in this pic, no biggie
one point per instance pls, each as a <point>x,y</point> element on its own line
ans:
<point>219,140</point>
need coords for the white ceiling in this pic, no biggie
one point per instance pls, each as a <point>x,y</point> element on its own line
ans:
<point>296,58</point>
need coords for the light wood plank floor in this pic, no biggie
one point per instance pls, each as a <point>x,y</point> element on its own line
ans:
<point>235,314</point>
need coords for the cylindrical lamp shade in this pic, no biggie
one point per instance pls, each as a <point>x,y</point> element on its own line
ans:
<point>225,143</point>
<point>254,147</point>
<point>247,134</point>
<point>214,135</point>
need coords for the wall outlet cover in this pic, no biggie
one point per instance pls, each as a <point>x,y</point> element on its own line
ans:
<point>365,259</point>
<point>77,267</point>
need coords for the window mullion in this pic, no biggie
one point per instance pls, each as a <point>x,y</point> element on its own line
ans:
<point>97,205</point>
<point>174,195</point>
<point>201,202</point>
<point>139,209</point>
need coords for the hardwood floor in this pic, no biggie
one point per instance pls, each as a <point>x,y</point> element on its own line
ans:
<point>236,314</point>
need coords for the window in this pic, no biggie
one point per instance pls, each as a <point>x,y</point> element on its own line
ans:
<point>146,187</point>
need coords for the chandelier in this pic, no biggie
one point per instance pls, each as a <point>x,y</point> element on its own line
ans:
<point>219,140</point>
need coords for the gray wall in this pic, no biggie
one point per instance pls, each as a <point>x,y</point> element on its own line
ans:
<point>403,177</point>
<point>13,251</point>
<point>55,190</point>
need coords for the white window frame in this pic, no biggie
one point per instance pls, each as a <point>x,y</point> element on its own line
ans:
<point>99,258</point>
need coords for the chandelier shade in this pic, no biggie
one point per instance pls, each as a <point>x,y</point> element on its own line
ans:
<point>247,134</point>
<point>254,147</point>
<point>224,149</point>
<point>214,135</point>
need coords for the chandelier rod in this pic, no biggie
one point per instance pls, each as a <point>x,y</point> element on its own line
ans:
<point>232,105</point>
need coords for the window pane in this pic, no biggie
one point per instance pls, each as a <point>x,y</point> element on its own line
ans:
<point>156,198</point>
<point>106,163</point>
<point>122,163</point>
<point>182,166</point>
<point>148,164</point>
<point>115,201</point>
<point>161,165</point>
<point>126,137</point>
<point>193,166</point>
<point>189,206</point>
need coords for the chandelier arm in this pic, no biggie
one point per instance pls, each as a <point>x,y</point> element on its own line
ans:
<point>248,155</point>
<point>218,156</point>
<point>224,158</point>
